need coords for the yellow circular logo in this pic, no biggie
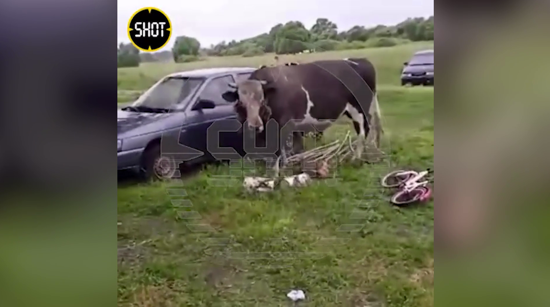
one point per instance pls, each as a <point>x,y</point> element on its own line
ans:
<point>149,29</point>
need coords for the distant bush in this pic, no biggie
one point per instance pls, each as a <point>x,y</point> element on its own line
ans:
<point>372,43</point>
<point>385,42</point>
<point>184,58</point>
<point>128,60</point>
<point>325,45</point>
<point>351,45</point>
<point>254,51</point>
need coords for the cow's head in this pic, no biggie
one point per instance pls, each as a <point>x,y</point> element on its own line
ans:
<point>249,97</point>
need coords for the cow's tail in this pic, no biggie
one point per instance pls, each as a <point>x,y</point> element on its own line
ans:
<point>376,117</point>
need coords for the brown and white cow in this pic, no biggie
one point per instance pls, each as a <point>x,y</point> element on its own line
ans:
<point>310,97</point>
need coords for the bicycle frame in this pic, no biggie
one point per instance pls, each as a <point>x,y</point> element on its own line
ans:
<point>413,183</point>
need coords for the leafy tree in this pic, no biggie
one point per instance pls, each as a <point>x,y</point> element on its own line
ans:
<point>185,45</point>
<point>127,55</point>
<point>357,33</point>
<point>293,37</point>
<point>324,29</point>
<point>127,48</point>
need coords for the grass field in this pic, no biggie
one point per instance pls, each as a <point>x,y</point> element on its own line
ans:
<point>389,63</point>
<point>340,241</point>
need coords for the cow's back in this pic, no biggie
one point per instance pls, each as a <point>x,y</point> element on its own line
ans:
<point>329,84</point>
<point>365,69</point>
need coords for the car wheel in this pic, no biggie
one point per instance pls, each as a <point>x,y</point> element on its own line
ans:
<point>156,166</point>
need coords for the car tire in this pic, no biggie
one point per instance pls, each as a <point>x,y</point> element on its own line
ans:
<point>156,167</point>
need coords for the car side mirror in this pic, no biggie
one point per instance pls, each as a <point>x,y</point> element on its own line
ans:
<point>204,104</point>
<point>405,63</point>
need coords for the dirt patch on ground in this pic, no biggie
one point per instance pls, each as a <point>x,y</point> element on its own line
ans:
<point>143,228</point>
<point>424,277</point>
<point>222,274</point>
<point>130,253</point>
<point>366,299</point>
<point>152,296</point>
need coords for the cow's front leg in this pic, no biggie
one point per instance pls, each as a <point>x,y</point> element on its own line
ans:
<point>297,143</point>
<point>282,157</point>
<point>360,125</point>
<point>285,142</point>
<point>286,148</point>
<point>359,147</point>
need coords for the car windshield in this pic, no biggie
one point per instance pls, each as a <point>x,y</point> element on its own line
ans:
<point>168,93</point>
<point>422,59</point>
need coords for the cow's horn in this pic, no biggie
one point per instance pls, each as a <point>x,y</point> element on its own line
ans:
<point>232,85</point>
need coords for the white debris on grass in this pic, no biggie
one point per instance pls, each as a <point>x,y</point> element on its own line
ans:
<point>264,184</point>
<point>298,180</point>
<point>260,184</point>
<point>296,295</point>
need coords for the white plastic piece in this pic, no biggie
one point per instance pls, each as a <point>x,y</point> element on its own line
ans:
<point>296,295</point>
<point>298,180</point>
<point>260,184</point>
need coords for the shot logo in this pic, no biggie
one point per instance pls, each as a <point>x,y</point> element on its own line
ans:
<point>149,29</point>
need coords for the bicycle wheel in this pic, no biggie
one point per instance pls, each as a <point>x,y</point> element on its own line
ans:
<point>396,178</point>
<point>403,197</point>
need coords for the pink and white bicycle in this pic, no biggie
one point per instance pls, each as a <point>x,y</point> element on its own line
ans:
<point>410,189</point>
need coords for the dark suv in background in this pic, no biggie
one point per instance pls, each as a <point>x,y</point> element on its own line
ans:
<point>420,69</point>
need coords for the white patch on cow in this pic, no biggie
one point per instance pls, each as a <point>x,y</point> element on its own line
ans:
<point>320,125</point>
<point>359,118</point>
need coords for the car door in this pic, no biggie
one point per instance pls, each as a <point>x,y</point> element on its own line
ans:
<point>203,133</point>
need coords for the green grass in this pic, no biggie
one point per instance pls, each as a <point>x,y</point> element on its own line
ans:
<point>340,241</point>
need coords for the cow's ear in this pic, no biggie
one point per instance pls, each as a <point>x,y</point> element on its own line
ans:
<point>230,96</point>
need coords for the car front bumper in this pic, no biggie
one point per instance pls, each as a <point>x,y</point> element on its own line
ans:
<point>129,159</point>
<point>416,80</point>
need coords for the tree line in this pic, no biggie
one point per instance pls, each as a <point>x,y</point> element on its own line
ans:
<point>294,37</point>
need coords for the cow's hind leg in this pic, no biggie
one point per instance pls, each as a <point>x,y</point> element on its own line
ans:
<point>360,125</point>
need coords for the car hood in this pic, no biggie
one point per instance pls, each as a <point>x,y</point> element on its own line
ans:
<point>130,124</point>
<point>418,68</point>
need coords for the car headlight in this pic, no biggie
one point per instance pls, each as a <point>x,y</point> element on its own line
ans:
<point>119,145</point>
<point>430,73</point>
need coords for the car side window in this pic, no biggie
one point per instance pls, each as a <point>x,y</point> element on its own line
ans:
<point>243,76</point>
<point>215,88</point>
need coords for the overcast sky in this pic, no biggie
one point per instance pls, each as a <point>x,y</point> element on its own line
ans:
<point>211,21</point>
